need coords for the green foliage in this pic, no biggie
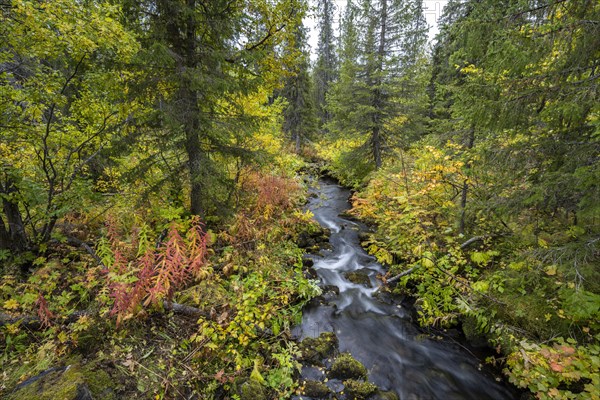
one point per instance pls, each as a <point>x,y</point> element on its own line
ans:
<point>483,211</point>
<point>562,370</point>
<point>62,102</point>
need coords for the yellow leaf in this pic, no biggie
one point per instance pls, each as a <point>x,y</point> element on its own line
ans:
<point>63,337</point>
<point>11,304</point>
<point>255,375</point>
<point>551,270</point>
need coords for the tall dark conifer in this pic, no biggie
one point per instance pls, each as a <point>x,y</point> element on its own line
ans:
<point>394,34</point>
<point>208,55</point>
<point>299,114</point>
<point>325,70</point>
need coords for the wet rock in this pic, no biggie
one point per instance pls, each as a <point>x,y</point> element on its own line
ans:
<point>348,216</point>
<point>252,390</point>
<point>328,293</point>
<point>66,383</point>
<point>363,236</point>
<point>386,297</point>
<point>310,273</point>
<point>325,246</point>
<point>359,277</point>
<point>331,289</point>
<point>307,262</point>
<point>335,385</point>
<point>359,390</point>
<point>312,373</point>
<point>347,367</point>
<point>305,241</point>
<point>316,389</point>
<point>381,395</point>
<point>314,350</point>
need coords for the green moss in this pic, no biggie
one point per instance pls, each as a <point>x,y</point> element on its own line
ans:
<point>471,331</point>
<point>316,389</point>
<point>100,384</point>
<point>358,278</point>
<point>347,367</point>
<point>314,350</point>
<point>252,390</point>
<point>359,390</point>
<point>72,382</point>
<point>380,395</point>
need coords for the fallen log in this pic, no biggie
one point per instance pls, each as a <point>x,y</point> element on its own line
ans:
<point>473,240</point>
<point>33,322</point>
<point>400,275</point>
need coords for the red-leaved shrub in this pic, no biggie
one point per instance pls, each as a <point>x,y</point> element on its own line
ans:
<point>148,279</point>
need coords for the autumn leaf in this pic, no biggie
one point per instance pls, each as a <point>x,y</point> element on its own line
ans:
<point>556,367</point>
<point>11,304</point>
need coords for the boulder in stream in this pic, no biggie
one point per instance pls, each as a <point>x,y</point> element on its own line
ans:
<point>316,389</point>
<point>347,367</point>
<point>359,390</point>
<point>315,350</point>
<point>359,278</point>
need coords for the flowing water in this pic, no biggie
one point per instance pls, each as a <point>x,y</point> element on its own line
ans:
<point>382,336</point>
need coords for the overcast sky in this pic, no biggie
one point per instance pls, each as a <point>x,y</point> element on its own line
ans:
<point>432,9</point>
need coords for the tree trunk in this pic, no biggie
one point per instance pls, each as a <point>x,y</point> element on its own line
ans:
<point>4,235</point>
<point>376,146</point>
<point>195,155</point>
<point>298,142</point>
<point>15,237</point>
<point>377,95</point>
<point>181,29</point>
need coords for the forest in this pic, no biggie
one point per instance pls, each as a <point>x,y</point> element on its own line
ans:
<point>157,156</point>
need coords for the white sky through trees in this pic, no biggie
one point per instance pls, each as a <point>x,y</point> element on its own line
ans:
<point>432,10</point>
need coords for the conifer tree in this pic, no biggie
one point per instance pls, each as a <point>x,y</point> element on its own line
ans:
<point>299,114</point>
<point>207,56</point>
<point>340,106</point>
<point>325,70</point>
<point>393,36</point>
<point>516,82</point>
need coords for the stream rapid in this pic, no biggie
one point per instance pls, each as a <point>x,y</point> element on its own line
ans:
<point>382,336</point>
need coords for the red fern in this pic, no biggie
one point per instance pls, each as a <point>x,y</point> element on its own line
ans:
<point>158,272</point>
<point>43,312</point>
<point>196,239</point>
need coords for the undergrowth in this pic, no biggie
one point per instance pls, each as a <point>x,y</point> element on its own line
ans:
<point>526,281</point>
<point>242,285</point>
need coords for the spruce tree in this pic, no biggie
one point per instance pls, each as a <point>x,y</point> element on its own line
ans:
<point>206,56</point>
<point>299,114</point>
<point>394,36</point>
<point>325,71</point>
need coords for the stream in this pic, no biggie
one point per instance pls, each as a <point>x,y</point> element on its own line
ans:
<point>398,356</point>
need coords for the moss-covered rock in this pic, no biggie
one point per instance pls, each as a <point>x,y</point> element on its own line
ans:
<point>253,390</point>
<point>359,390</point>
<point>359,278</point>
<point>316,389</point>
<point>72,382</point>
<point>347,367</point>
<point>381,395</point>
<point>314,350</point>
